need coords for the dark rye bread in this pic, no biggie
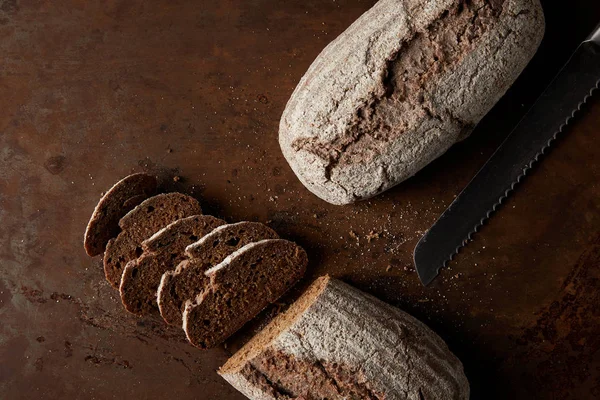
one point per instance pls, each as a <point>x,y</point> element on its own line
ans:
<point>162,252</point>
<point>118,201</point>
<point>139,224</point>
<point>188,279</point>
<point>339,343</point>
<point>402,84</point>
<point>228,238</point>
<point>240,287</point>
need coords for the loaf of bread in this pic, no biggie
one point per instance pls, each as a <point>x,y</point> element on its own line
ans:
<point>339,343</point>
<point>162,252</point>
<point>118,201</point>
<point>188,279</point>
<point>139,224</point>
<point>240,287</point>
<point>402,84</point>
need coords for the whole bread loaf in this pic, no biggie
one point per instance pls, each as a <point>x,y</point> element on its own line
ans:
<point>402,84</point>
<point>339,343</point>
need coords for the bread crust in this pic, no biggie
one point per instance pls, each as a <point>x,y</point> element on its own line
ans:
<point>124,196</point>
<point>337,342</point>
<point>401,85</point>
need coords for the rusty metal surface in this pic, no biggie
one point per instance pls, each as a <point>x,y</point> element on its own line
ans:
<point>91,91</point>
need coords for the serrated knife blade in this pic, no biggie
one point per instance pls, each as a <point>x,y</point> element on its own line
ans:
<point>552,111</point>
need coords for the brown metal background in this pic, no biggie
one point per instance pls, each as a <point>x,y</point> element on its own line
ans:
<point>93,90</point>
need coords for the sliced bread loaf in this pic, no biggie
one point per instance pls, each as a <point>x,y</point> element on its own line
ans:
<point>240,287</point>
<point>162,252</point>
<point>118,201</point>
<point>139,224</point>
<point>188,279</point>
<point>339,343</point>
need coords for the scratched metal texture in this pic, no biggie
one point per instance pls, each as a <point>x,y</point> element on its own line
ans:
<point>93,90</point>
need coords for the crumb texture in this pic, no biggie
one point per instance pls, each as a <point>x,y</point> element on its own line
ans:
<point>399,87</point>
<point>162,253</point>
<point>139,224</point>
<point>345,344</point>
<point>240,287</point>
<point>188,280</point>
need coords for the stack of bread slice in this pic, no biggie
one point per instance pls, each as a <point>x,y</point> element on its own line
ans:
<point>196,270</point>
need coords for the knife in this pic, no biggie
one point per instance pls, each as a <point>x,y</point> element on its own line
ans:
<point>552,111</point>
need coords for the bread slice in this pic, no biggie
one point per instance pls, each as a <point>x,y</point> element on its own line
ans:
<point>188,279</point>
<point>118,201</point>
<point>139,224</point>
<point>162,252</point>
<point>240,287</point>
<point>337,342</point>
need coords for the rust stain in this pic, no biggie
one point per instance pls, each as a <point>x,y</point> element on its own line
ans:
<point>9,6</point>
<point>55,165</point>
<point>68,349</point>
<point>33,295</point>
<point>62,296</point>
<point>565,335</point>
<point>99,360</point>
<point>39,364</point>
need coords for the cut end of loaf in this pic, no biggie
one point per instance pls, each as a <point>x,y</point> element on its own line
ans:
<point>337,342</point>
<point>274,329</point>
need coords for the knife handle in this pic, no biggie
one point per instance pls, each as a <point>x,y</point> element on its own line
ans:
<point>594,36</point>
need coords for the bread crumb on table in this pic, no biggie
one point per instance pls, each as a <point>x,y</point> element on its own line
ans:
<point>372,236</point>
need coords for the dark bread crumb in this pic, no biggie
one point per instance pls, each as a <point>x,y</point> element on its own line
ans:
<point>139,224</point>
<point>162,253</point>
<point>188,279</point>
<point>285,374</point>
<point>173,291</point>
<point>240,287</point>
<point>133,202</point>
